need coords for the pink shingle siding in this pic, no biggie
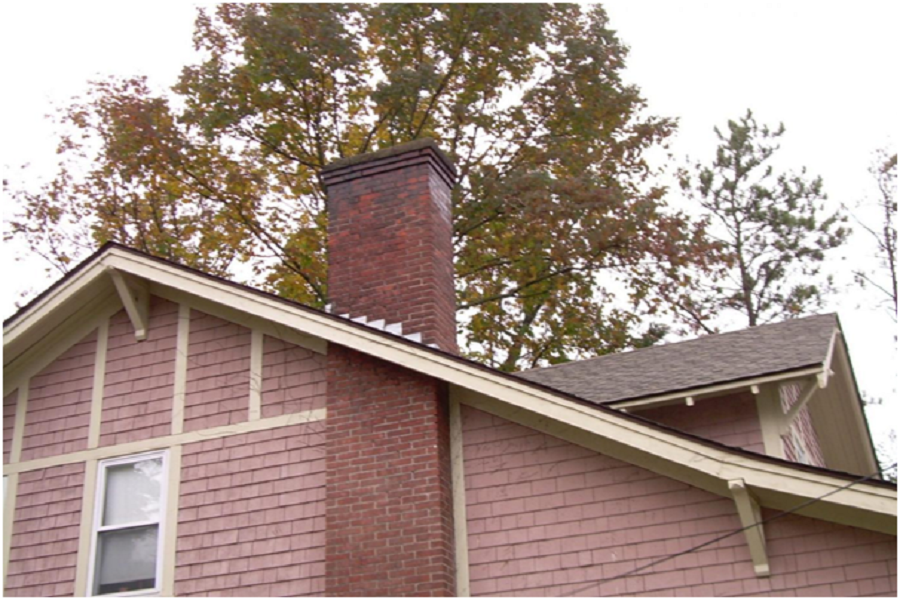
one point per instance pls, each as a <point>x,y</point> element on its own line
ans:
<point>9,419</point>
<point>293,379</point>
<point>732,420</point>
<point>59,403</point>
<point>801,444</point>
<point>45,532</point>
<point>218,373</point>
<point>549,518</point>
<point>140,376</point>
<point>252,515</point>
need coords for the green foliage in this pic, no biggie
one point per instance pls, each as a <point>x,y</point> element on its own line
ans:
<point>774,226</point>
<point>554,215</point>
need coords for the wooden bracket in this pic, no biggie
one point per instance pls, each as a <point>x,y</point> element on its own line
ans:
<point>751,517</point>
<point>805,395</point>
<point>135,296</point>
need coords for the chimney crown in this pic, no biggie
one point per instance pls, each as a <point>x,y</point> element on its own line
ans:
<point>390,230</point>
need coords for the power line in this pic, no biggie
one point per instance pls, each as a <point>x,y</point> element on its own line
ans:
<point>729,534</point>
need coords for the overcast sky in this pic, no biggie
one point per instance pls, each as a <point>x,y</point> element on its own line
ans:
<point>825,69</point>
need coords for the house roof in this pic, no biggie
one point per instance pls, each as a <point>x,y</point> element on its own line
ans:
<point>706,361</point>
<point>701,462</point>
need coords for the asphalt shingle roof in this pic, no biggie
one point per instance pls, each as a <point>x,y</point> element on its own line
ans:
<point>709,360</point>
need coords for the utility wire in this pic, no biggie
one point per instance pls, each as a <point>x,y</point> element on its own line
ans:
<point>730,534</point>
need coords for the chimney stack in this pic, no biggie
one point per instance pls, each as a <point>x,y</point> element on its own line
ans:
<point>388,490</point>
<point>390,250</point>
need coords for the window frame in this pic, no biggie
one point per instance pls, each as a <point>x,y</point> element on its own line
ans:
<point>96,527</point>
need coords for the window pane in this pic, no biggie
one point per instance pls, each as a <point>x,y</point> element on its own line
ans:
<point>132,492</point>
<point>126,560</point>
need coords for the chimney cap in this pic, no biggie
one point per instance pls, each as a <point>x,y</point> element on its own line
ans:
<point>413,146</point>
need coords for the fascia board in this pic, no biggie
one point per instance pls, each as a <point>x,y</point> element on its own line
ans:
<point>705,461</point>
<point>714,390</point>
<point>57,296</point>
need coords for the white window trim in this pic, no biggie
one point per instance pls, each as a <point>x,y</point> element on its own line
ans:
<point>96,529</point>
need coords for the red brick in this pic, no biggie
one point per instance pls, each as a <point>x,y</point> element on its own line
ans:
<point>390,251</point>
<point>388,521</point>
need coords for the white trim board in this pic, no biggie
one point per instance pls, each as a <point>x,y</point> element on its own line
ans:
<point>159,443</point>
<point>709,391</point>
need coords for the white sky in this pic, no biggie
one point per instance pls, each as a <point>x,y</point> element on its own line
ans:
<point>825,69</point>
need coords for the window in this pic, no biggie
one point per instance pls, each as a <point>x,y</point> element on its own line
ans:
<point>128,525</point>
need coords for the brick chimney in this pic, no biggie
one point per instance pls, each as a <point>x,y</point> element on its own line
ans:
<point>388,500</point>
<point>390,251</point>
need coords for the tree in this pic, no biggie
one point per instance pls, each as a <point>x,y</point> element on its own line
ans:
<point>774,226</point>
<point>884,280</point>
<point>553,202</point>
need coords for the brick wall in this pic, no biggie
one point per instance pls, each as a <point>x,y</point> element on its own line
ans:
<point>9,419</point>
<point>390,251</point>
<point>732,420</point>
<point>252,515</point>
<point>293,379</point>
<point>45,532</point>
<point>59,403</point>
<point>140,377</point>
<point>218,373</point>
<point>548,518</point>
<point>389,509</point>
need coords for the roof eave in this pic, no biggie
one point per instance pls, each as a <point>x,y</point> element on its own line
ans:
<point>686,452</point>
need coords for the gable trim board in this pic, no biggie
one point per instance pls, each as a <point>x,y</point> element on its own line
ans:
<point>706,464</point>
<point>42,346</point>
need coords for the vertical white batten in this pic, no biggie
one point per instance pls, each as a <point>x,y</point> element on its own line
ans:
<point>99,383</point>
<point>10,489</point>
<point>15,451</point>
<point>768,405</point>
<point>170,532</point>
<point>256,366</point>
<point>85,531</point>
<point>182,342</point>
<point>457,477</point>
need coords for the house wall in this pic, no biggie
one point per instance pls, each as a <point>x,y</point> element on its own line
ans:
<point>732,420</point>
<point>252,495</point>
<point>59,403</point>
<point>9,418</point>
<point>294,379</point>
<point>801,443</point>
<point>252,515</point>
<point>249,510</point>
<point>549,518</point>
<point>218,373</point>
<point>137,392</point>
<point>45,535</point>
